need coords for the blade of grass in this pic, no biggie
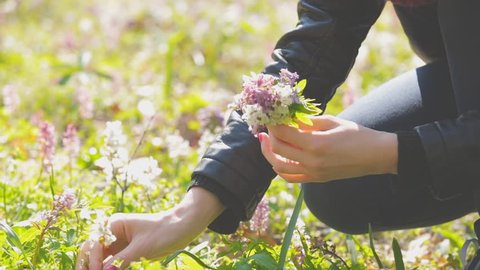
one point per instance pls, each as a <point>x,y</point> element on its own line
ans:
<point>191,255</point>
<point>397,253</point>
<point>351,249</point>
<point>291,227</point>
<point>372,247</point>
<point>14,240</point>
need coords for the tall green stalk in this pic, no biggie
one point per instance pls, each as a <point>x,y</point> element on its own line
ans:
<point>287,239</point>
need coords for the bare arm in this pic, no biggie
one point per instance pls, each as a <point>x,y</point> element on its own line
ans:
<point>153,236</point>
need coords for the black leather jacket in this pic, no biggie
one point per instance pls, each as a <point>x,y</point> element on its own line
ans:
<point>322,49</point>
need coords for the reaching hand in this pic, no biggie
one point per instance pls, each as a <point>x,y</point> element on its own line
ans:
<point>330,149</point>
<point>152,236</point>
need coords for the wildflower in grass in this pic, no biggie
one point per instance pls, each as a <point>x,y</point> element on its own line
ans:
<point>10,176</point>
<point>64,201</point>
<point>268,100</point>
<point>143,171</point>
<point>47,140</point>
<point>177,146</point>
<point>61,203</point>
<point>206,139</point>
<point>260,220</point>
<point>11,100</point>
<point>114,154</point>
<point>100,230</point>
<point>85,102</point>
<point>211,119</point>
<point>71,141</point>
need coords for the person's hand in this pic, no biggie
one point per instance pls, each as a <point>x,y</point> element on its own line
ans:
<point>330,149</point>
<point>152,236</point>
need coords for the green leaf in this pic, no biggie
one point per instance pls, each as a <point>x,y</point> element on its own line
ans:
<point>301,86</point>
<point>14,240</point>
<point>372,247</point>
<point>351,249</point>
<point>304,118</point>
<point>265,260</point>
<point>191,255</point>
<point>397,253</point>
<point>65,78</point>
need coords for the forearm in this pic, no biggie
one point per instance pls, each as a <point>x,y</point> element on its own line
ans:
<point>198,209</point>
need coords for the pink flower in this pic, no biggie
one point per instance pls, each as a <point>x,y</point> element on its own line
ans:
<point>288,77</point>
<point>64,201</point>
<point>259,221</point>
<point>71,142</point>
<point>47,143</point>
<point>85,102</point>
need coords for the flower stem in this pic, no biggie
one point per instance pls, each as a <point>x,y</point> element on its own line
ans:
<point>39,245</point>
<point>287,239</point>
<point>4,189</point>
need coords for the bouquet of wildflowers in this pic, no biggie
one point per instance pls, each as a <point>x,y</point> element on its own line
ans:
<point>269,100</point>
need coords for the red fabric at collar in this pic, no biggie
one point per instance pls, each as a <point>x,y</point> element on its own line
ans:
<point>412,3</point>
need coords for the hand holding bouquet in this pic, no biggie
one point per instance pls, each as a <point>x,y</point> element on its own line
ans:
<point>268,100</point>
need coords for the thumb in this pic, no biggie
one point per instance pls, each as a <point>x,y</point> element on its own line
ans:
<point>122,259</point>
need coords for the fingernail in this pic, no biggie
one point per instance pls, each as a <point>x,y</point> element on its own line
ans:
<point>111,267</point>
<point>260,137</point>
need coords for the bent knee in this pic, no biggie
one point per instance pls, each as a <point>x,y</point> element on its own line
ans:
<point>343,211</point>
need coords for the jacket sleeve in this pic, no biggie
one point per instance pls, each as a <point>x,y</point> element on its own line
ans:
<point>452,149</point>
<point>320,49</point>
<point>324,45</point>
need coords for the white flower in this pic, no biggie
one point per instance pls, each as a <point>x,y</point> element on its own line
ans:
<point>146,108</point>
<point>254,115</point>
<point>113,133</point>
<point>100,230</point>
<point>143,171</point>
<point>114,155</point>
<point>205,140</point>
<point>285,93</point>
<point>177,146</point>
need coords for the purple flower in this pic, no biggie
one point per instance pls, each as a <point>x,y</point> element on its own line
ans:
<point>71,142</point>
<point>258,89</point>
<point>259,221</point>
<point>47,143</point>
<point>287,77</point>
<point>210,118</point>
<point>64,201</point>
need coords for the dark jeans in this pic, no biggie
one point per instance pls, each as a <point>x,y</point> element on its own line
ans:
<point>412,99</point>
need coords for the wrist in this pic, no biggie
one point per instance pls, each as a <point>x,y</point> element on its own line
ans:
<point>388,153</point>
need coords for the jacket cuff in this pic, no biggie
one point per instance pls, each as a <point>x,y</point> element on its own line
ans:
<point>412,165</point>
<point>234,162</point>
<point>228,221</point>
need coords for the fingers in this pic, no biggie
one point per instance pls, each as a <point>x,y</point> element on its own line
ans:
<point>90,257</point>
<point>82,259</point>
<point>96,257</point>
<point>320,123</point>
<point>286,150</point>
<point>296,178</point>
<point>123,258</point>
<point>117,226</point>
<point>279,163</point>
<point>290,135</point>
